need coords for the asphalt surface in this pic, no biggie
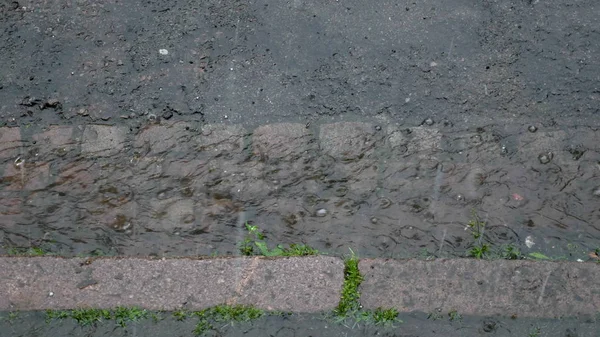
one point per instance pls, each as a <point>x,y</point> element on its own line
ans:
<point>259,62</point>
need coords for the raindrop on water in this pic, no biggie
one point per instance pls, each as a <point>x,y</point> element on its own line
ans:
<point>341,191</point>
<point>322,212</point>
<point>545,158</point>
<point>384,203</point>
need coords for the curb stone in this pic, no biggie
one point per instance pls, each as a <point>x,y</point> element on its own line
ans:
<point>284,284</point>
<point>302,284</point>
<point>477,287</point>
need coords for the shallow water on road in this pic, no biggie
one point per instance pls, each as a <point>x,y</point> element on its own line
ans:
<point>22,324</point>
<point>177,189</point>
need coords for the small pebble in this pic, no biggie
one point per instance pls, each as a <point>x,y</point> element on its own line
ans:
<point>378,128</point>
<point>19,162</point>
<point>322,212</point>
<point>545,158</point>
<point>163,52</point>
<point>529,241</point>
<point>50,294</point>
<point>596,192</point>
<point>532,128</point>
<point>428,122</point>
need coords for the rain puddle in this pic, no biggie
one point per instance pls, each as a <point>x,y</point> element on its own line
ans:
<point>185,189</point>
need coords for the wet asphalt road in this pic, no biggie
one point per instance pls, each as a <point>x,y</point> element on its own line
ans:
<point>256,62</point>
<point>467,63</point>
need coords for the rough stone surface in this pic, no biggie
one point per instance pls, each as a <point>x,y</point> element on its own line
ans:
<point>347,140</point>
<point>158,139</point>
<point>10,142</point>
<point>102,140</point>
<point>57,139</point>
<point>476,287</point>
<point>289,284</point>
<point>27,176</point>
<point>221,138</point>
<point>284,140</point>
<point>421,140</point>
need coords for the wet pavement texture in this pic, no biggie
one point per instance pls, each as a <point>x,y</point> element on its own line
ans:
<point>154,128</point>
<point>415,324</point>
<point>399,120</point>
<point>187,189</point>
<point>300,60</point>
<point>298,284</point>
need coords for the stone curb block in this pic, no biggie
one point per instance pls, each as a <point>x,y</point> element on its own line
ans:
<point>485,288</point>
<point>310,284</point>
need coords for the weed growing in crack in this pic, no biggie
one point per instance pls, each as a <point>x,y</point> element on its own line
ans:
<point>477,227</point>
<point>385,316</point>
<point>255,244</point>
<point>453,315</point>
<point>11,316</point>
<point>180,315</point>
<point>84,317</point>
<point>350,295</point>
<point>89,316</point>
<point>224,313</point>
<point>123,315</point>
<point>32,251</point>
<point>510,252</point>
<point>482,249</point>
<point>479,251</point>
<point>349,306</point>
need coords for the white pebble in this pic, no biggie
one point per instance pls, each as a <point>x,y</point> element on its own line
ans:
<point>163,52</point>
<point>529,242</point>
